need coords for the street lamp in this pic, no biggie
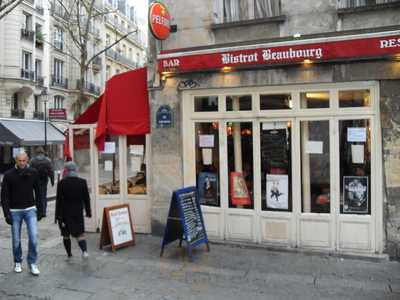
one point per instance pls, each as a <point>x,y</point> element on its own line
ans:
<point>44,96</point>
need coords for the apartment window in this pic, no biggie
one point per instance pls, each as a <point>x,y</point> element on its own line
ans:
<point>58,38</point>
<point>36,98</point>
<point>132,14</point>
<point>108,72</point>
<point>360,3</point>
<point>26,61</point>
<point>58,70</point>
<point>58,102</point>
<point>238,10</point>
<point>15,101</point>
<point>38,69</point>
<point>130,54</point>
<point>27,25</point>
<point>115,20</point>
<point>122,6</point>
<point>124,50</point>
<point>108,39</point>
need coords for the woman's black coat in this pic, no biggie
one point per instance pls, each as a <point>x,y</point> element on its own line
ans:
<point>72,198</point>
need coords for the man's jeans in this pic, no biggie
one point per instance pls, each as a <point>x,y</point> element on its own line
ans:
<point>29,216</point>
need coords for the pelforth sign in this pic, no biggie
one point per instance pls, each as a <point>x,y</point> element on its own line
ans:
<point>159,21</point>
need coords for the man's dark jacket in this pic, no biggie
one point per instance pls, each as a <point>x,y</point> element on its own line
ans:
<point>20,190</point>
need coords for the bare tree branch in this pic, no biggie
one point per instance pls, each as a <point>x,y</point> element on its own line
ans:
<point>8,6</point>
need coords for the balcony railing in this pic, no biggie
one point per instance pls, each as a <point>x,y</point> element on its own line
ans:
<point>120,58</point>
<point>18,113</point>
<point>27,74</point>
<point>39,115</point>
<point>39,9</point>
<point>363,3</point>
<point>39,80</point>
<point>88,87</point>
<point>59,82</point>
<point>30,1</point>
<point>39,40</point>
<point>27,34</point>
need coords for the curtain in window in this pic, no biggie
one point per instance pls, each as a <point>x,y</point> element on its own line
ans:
<point>231,10</point>
<point>351,3</point>
<point>266,8</point>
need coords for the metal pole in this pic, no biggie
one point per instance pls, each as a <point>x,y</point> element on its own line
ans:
<point>45,127</point>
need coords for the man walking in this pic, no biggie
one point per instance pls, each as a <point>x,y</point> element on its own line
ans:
<point>20,202</point>
<point>45,169</point>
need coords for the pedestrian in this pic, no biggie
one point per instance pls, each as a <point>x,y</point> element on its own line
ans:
<point>20,201</point>
<point>45,169</point>
<point>72,199</point>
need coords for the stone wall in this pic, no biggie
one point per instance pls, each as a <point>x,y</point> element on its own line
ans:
<point>390,120</point>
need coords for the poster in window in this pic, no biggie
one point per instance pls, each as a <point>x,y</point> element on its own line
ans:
<point>239,192</point>
<point>208,188</point>
<point>355,194</point>
<point>277,191</point>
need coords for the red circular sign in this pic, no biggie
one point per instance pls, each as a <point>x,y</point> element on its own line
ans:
<point>159,21</point>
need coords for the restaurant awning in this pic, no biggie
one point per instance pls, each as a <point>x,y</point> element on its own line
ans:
<point>123,108</point>
<point>14,132</point>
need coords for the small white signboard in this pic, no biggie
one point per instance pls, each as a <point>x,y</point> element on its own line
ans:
<point>314,147</point>
<point>108,165</point>
<point>120,226</point>
<point>136,149</point>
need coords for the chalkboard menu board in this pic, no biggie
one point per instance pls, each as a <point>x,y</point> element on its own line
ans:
<point>274,147</point>
<point>185,221</point>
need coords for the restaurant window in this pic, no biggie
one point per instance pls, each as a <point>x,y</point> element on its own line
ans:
<point>355,166</point>
<point>275,101</point>
<point>136,164</point>
<point>206,103</point>
<point>276,166</point>
<point>240,164</point>
<point>238,103</point>
<point>81,141</point>
<point>315,166</point>
<point>207,163</point>
<point>317,99</point>
<point>108,164</point>
<point>354,98</point>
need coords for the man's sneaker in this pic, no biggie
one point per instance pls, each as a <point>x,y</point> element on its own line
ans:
<point>18,268</point>
<point>34,270</point>
<point>85,254</point>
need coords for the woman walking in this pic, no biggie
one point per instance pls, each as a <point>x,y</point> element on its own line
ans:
<point>72,199</point>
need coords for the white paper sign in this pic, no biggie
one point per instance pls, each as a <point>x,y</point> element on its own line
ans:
<point>207,156</point>
<point>357,154</point>
<point>109,147</point>
<point>206,140</point>
<point>108,165</point>
<point>314,147</point>
<point>120,226</point>
<point>274,125</point>
<point>356,134</point>
<point>277,191</point>
<point>136,149</point>
<point>136,162</point>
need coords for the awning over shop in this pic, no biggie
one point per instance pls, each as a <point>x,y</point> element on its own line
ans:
<point>123,108</point>
<point>15,132</point>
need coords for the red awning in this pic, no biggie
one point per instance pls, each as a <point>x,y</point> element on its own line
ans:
<point>123,108</point>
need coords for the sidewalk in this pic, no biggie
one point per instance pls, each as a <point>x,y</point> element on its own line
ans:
<point>227,272</point>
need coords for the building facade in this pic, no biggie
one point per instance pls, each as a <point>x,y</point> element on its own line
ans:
<point>35,54</point>
<point>286,120</point>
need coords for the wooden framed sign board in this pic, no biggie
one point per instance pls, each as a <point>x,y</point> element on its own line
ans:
<point>117,229</point>
<point>185,221</point>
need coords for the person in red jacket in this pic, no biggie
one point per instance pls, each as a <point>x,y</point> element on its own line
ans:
<point>72,198</point>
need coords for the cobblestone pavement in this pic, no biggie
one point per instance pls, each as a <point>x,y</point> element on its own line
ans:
<point>227,272</point>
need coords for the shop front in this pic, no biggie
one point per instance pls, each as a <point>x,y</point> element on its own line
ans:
<point>283,140</point>
<point>109,143</point>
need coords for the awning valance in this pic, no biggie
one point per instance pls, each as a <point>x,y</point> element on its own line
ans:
<point>28,133</point>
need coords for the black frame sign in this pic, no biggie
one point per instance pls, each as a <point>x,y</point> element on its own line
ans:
<point>185,221</point>
<point>117,229</point>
